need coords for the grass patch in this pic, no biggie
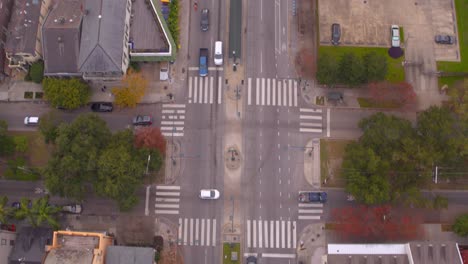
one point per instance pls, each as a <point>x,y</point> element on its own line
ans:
<point>369,103</point>
<point>28,95</point>
<point>228,248</point>
<point>18,170</point>
<point>462,22</point>
<point>38,152</point>
<point>402,35</point>
<point>396,72</point>
<point>331,158</point>
<point>450,80</point>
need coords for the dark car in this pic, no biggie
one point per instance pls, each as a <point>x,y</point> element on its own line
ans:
<point>444,39</point>
<point>336,34</point>
<point>142,120</point>
<point>102,107</point>
<point>205,20</point>
<point>251,260</point>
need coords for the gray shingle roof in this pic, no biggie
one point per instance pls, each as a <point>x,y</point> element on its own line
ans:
<point>103,30</point>
<point>129,255</point>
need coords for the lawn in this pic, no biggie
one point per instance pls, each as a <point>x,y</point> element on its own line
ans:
<point>462,23</point>
<point>38,153</point>
<point>331,158</point>
<point>396,72</point>
<point>227,249</point>
<point>369,103</point>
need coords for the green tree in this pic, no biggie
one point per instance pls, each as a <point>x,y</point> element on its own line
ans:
<point>461,225</point>
<point>376,66</point>
<point>75,162</point>
<point>351,69</point>
<point>49,127</point>
<point>38,212</point>
<point>365,174</point>
<point>7,144</point>
<point>36,72</point>
<point>327,70</point>
<point>5,210</point>
<point>120,170</point>
<point>67,93</point>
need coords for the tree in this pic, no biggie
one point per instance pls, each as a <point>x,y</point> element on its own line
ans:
<point>131,92</point>
<point>401,94</point>
<point>49,127</point>
<point>351,69</point>
<point>21,143</point>
<point>120,170</point>
<point>38,212</point>
<point>5,210</point>
<point>459,99</point>
<point>75,162</point>
<point>7,144</point>
<point>440,202</point>
<point>173,20</point>
<point>67,93</point>
<point>376,66</point>
<point>152,138</point>
<point>460,227</point>
<point>327,70</point>
<point>36,72</point>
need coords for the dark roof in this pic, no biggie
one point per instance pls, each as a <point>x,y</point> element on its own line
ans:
<point>5,15</point>
<point>23,27</point>
<point>102,36</point>
<point>61,38</point>
<point>129,255</point>
<point>30,245</point>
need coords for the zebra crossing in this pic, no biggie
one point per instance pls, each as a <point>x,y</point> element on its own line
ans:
<point>201,90</point>
<point>310,211</point>
<point>173,120</point>
<point>167,199</point>
<point>197,232</point>
<point>272,92</point>
<point>310,120</point>
<point>271,234</point>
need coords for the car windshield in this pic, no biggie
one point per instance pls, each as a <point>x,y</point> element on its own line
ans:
<point>212,193</point>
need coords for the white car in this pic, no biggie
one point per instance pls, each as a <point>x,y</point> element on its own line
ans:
<point>395,36</point>
<point>210,194</point>
<point>31,121</point>
<point>72,208</point>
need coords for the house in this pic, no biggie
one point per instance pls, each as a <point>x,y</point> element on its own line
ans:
<point>61,34</point>
<point>30,245</point>
<point>130,255</point>
<point>6,7</point>
<point>7,241</point>
<point>23,43</point>
<point>104,48</point>
<point>71,247</point>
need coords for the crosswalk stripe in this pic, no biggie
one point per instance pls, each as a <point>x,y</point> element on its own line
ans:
<point>272,240</point>
<point>268,91</point>
<point>200,92</point>
<point>278,255</point>
<point>208,229</point>
<point>176,206</point>
<point>263,91</point>
<point>202,232</point>
<point>205,97</point>
<point>168,200</point>
<point>285,88</point>
<point>196,231</point>
<point>168,111</point>
<point>311,130</point>
<point>277,234</point>
<point>309,217</point>
<point>273,87</point>
<point>249,91</point>
<point>254,233</point>
<point>173,106</point>
<point>172,128</point>
<point>168,193</point>
<point>167,187</point>
<point>220,89</point>
<point>181,111</point>
<point>211,89</point>
<point>283,229</point>
<point>294,230</point>
<point>166,211</point>
<point>305,124</point>
<point>310,211</point>
<point>172,123</point>
<point>310,204</point>
<point>309,110</point>
<point>191,231</point>
<point>310,117</point>
<point>214,233</point>
<point>190,87</point>
<point>179,235</point>
<point>289,234</point>
<point>279,93</point>
<point>295,93</point>
<point>248,233</point>
<point>257,94</point>
<point>265,225</point>
<point>290,83</point>
<point>195,91</point>
<point>260,234</point>
<point>185,230</point>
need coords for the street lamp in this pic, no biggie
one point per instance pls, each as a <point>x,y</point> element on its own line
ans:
<point>173,146</point>
<point>147,164</point>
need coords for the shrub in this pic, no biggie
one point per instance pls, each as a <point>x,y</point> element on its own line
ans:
<point>36,71</point>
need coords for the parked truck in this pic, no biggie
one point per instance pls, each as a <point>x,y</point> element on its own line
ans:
<point>203,67</point>
<point>312,197</point>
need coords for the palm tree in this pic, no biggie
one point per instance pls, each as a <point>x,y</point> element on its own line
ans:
<point>38,212</point>
<point>5,211</point>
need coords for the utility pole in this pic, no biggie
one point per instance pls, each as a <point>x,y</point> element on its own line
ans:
<point>147,164</point>
<point>436,172</point>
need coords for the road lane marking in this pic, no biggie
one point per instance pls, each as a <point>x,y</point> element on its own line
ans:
<point>310,110</point>
<point>172,123</point>
<point>309,217</point>
<point>290,89</point>
<point>277,234</point>
<point>263,91</point>
<point>289,234</point>
<point>166,206</point>
<point>168,193</point>
<point>249,91</point>
<point>191,231</point>
<point>277,255</point>
<point>260,234</point>
<point>265,225</point>
<point>195,92</point>
<point>214,233</point>
<point>220,89</point>
<point>294,234</point>
<point>190,87</point>
<point>310,117</point>
<point>310,124</point>
<point>197,222</point>
<point>273,88</point>
<point>295,93</point>
<point>310,205</point>
<point>268,91</point>
<point>170,111</point>
<point>202,232</point>
<point>254,225</point>
<point>200,96</point>
<point>272,237</point>
<point>279,93</point>
<point>206,91</point>
<point>311,130</point>
<point>173,105</point>
<point>257,94</point>
<point>185,230</point>
<point>148,191</point>
<point>283,239</point>
<point>211,89</point>
<point>208,229</point>
<point>285,94</point>
<point>179,235</point>
<point>310,211</point>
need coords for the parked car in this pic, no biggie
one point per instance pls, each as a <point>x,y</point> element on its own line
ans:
<point>444,39</point>
<point>312,197</point>
<point>142,120</point>
<point>252,260</point>
<point>31,121</point>
<point>72,208</point>
<point>395,36</point>
<point>336,34</point>
<point>209,194</point>
<point>102,107</point>
<point>205,20</point>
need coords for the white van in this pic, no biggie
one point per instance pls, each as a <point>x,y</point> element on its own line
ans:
<point>31,121</point>
<point>218,53</point>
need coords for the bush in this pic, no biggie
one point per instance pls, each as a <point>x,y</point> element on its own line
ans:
<point>21,143</point>
<point>461,225</point>
<point>17,171</point>
<point>36,71</point>
<point>67,93</point>
<point>173,20</point>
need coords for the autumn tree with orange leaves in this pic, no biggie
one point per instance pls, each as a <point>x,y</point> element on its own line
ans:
<point>401,94</point>
<point>132,90</point>
<point>151,138</point>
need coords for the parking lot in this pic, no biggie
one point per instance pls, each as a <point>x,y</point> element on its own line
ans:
<point>367,23</point>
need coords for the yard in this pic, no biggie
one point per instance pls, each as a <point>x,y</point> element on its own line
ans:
<point>396,72</point>
<point>228,249</point>
<point>331,158</point>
